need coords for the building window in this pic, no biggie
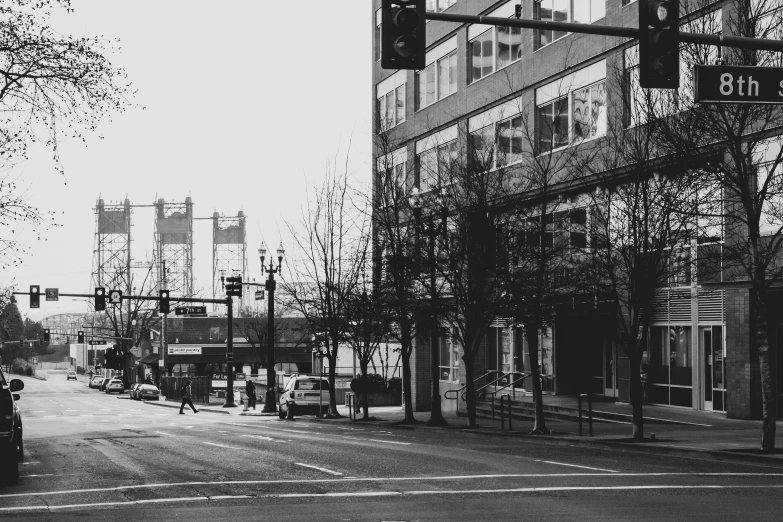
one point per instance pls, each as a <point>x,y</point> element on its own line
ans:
<point>377,42</point>
<point>579,116</point>
<point>449,359</point>
<point>564,229</point>
<point>497,145</point>
<point>670,365</point>
<point>492,50</point>
<point>391,108</point>
<point>434,164</point>
<point>577,11</point>
<point>436,6</point>
<point>436,81</point>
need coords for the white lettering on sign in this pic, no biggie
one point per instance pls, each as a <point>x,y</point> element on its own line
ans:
<point>184,350</point>
<point>727,85</point>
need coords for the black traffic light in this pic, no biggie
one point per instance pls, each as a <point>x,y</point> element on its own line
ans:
<point>35,296</point>
<point>80,338</point>
<point>234,286</point>
<point>165,303</point>
<point>403,34</point>
<point>46,335</point>
<point>659,44</point>
<point>100,299</point>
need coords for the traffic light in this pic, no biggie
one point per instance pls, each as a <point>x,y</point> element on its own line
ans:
<point>165,304</point>
<point>100,299</point>
<point>659,44</point>
<point>35,296</point>
<point>46,335</point>
<point>234,286</point>
<point>403,34</point>
<point>80,338</point>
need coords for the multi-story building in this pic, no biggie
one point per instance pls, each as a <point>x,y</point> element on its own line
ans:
<point>485,83</point>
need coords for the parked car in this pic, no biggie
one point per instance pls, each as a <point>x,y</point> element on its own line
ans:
<point>11,441</point>
<point>96,381</point>
<point>304,394</point>
<point>115,385</point>
<point>148,391</point>
<point>133,389</point>
<point>71,375</point>
<point>103,384</point>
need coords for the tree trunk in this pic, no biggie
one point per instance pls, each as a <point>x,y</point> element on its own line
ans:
<point>768,399</point>
<point>539,425</point>
<point>470,390</point>
<point>333,413</point>
<point>365,390</point>
<point>636,394</point>
<point>406,341</point>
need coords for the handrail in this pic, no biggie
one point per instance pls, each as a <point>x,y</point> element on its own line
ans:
<point>460,392</point>
<point>502,417</point>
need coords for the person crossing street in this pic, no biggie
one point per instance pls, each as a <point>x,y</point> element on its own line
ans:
<point>186,399</point>
<point>250,391</point>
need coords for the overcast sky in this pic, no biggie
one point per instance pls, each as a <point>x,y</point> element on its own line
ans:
<point>244,102</point>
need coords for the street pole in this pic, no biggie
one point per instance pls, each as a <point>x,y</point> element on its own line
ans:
<point>270,402</point>
<point>230,355</point>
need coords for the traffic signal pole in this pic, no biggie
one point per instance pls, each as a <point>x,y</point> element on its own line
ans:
<point>740,42</point>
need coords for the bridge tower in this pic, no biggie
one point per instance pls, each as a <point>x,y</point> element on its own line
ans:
<point>174,246</point>
<point>229,254</point>
<point>111,253</point>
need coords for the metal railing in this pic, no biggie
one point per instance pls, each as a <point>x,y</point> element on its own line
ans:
<point>589,410</point>
<point>481,391</point>
<point>502,416</point>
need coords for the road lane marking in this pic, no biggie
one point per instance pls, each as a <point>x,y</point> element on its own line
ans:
<point>49,416</point>
<point>260,437</point>
<point>576,466</point>
<point>87,415</point>
<point>319,469</point>
<point>382,479</point>
<point>391,442</point>
<point>163,433</point>
<point>352,494</point>
<point>220,445</point>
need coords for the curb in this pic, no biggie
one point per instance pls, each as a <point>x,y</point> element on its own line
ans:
<point>556,439</point>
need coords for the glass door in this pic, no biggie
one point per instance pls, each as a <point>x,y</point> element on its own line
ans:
<point>707,366</point>
<point>711,353</point>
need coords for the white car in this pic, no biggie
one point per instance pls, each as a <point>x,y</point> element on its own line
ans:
<point>96,381</point>
<point>304,394</point>
<point>71,375</point>
<point>115,385</point>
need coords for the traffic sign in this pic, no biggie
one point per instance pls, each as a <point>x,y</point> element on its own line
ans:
<point>52,294</point>
<point>190,310</point>
<point>259,295</point>
<point>115,297</point>
<point>738,84</point>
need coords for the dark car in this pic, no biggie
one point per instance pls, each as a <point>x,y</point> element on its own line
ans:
<point>148,391</point>
<point>133,389</point>
<point>102,386</point>
<point>11,442</point>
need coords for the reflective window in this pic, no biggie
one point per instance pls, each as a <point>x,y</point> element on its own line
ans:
<point>437,80</point>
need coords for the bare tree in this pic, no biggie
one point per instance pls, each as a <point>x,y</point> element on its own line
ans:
<point>323,281</point>
<point>740,148</point>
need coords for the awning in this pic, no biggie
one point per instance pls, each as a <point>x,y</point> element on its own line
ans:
<point>150,360</point>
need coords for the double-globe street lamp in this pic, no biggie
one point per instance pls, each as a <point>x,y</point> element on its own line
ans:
<point>432,228</point>
<point>270,402</point>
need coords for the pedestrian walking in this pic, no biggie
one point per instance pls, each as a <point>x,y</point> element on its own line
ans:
<point>250,391</point>
<point>186,399</point>
<point>357,387</point>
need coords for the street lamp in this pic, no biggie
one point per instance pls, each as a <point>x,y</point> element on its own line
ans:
<point>270,402</point>
<point>432,229</point>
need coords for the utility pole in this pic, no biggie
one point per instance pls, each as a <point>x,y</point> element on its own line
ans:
<point>163,328</point>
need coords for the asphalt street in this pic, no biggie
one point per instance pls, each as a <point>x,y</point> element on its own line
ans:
<point>93,454</point>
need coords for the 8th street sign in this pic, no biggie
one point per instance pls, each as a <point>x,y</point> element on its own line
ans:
<point>738,84</point>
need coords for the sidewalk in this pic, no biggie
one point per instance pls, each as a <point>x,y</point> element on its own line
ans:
<point>685,433</point>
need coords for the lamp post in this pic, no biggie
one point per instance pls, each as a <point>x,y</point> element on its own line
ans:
<point>270,401</point>
<point>432,229</point>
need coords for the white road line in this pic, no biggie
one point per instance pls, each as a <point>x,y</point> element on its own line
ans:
<point>391,442</point>
<point>27,509</point>
<point>49,416</point>
<point>163,433</point>
<point>38,411</point>
<point>87,415</point>
<point>221,445</point>
<point>319,469</point>
<point>384,479</point>
<point>260,437</point>
<point>576,466</point>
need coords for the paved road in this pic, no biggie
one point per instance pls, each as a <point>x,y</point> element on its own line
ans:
<point>89,453</point>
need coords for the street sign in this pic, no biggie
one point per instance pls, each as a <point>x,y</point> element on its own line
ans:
<point>115,297</point>
<point>52,294</point>
<point>190,310</point>
<point>259,295</point>
<point>738,84</point>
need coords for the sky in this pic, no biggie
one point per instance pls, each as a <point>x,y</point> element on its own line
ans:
<point>244,107</point>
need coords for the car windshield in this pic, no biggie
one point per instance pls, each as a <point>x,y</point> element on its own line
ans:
<point>308,384</point>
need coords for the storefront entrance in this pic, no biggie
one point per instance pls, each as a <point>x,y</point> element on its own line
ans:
<point>711,356</point>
